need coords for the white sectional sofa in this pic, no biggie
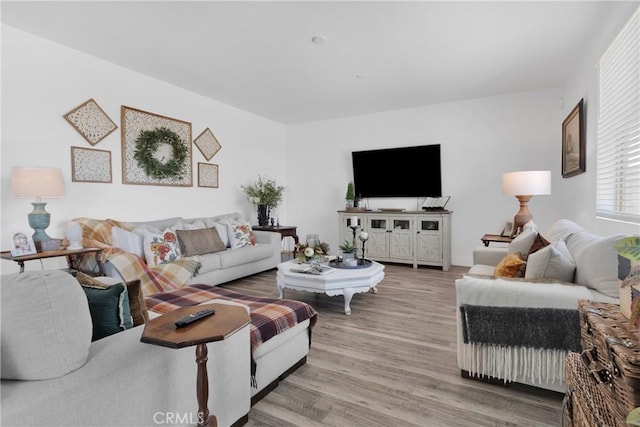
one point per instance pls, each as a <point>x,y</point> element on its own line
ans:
<point>492,335</point>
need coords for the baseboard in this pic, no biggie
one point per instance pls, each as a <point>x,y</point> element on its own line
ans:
<point>269,387</point>
<point>242,421</point>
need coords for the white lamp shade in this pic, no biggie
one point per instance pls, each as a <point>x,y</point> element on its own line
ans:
<point>526,183</point>
<point>34,182</point>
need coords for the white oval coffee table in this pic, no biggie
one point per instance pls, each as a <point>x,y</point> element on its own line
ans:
<point>338,281</point>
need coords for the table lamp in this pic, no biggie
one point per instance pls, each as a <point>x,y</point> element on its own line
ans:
<point>524,185</point>
<point>38,183</point>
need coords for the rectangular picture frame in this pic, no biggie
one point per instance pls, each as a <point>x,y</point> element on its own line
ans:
<point>133,123</point>
<point>573,142</point>
<point>90,165</point>
<point>208,175</point>
<point>22,244</point>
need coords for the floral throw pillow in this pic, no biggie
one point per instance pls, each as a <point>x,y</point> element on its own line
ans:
<point>240,235</point>
<point>160,248</point>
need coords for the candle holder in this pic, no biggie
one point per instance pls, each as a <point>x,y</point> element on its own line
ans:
<point>354,228</point>
<point>363,239</point>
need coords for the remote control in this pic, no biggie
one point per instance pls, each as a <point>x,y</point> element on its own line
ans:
<point>187,320</point>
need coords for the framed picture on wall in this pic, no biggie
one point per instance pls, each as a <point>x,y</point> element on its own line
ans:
<point>573,142</point>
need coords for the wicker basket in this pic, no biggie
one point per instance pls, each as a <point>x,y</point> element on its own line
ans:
<point>611,350</point>
<point>587,402</point>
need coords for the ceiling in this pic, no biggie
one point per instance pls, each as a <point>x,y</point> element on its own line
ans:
<point>377,56</point>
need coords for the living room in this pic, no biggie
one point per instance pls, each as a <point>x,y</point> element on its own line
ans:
<point>482,135</point>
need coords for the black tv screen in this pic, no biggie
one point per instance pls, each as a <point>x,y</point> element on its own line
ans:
<point>398,172</point>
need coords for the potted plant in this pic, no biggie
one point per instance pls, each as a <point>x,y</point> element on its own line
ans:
<point>265,195</point>
<point>349,249</point>
<point>351,194</point>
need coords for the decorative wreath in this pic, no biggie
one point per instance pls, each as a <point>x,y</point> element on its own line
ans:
<point>147,144</point>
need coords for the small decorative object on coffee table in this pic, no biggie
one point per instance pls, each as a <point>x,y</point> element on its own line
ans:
<point>364,236</point>
<point>162,331</point>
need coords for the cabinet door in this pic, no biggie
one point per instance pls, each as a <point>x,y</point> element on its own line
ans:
<point>378,243</point>
<point>401,238</point>
<point>429,240</point>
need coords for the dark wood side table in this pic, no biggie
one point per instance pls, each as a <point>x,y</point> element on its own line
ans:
<point>488,238</point>
<point>284,230</point>
<point>225,322</point>
<point>73,257</point>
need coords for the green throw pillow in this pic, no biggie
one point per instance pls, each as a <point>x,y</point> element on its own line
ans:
<point>109,308</point>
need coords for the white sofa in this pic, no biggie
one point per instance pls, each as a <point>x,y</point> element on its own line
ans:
<point>53,375</point>
<point>487,350</point>
<point>218,267</point>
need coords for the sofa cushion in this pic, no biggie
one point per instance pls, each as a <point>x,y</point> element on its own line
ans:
<point>597,265</point>
<point>511,265</point>
<point>46,325</point>
<point>553,261</point>
<point>244,255</point>
<point>209,262</point>
<point>522,243</point>
<point>200,241</point>
<point>160,248</point>
<point>562,229</point>
<point>128,241</point>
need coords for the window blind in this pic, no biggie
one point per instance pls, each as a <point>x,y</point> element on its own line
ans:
<point>618,152</point>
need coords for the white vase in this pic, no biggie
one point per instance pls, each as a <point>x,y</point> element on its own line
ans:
<point>74,236</point>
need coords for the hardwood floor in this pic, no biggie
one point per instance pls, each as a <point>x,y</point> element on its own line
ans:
<point>391,363</point>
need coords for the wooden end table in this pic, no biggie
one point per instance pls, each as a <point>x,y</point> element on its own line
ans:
<point>488,238</point>
<point>284,230</point>
<point>72,255</point>
<point>225,322</point>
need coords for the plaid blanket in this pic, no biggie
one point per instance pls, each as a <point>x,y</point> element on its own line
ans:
<point>269,316</point>
<point>160,278</point>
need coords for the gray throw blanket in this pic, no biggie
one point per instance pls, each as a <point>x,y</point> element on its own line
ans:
<point>547,328</point>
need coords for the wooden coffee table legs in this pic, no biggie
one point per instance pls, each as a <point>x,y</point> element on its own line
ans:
<point>202,388</point>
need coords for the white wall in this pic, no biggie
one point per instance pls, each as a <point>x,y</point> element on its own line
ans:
<point>584,84</point>
<point>480,140</point>
<point>42,80</point>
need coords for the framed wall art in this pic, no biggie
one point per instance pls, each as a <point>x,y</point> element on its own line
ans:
<point>90,165</point>
<point>91,121</point>
<point>207,175</point>
<point>207,143</point>
<point>156,150</point>
<point>573,142</point>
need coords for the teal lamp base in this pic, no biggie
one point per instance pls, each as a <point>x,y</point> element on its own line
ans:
<point>39,220</point>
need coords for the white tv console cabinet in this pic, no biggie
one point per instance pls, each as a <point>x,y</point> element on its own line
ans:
<point>410,237</point>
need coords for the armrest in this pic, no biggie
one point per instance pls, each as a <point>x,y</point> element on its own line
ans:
<point>267,237</point>
<point>501,292</point>
<point>487,255</point>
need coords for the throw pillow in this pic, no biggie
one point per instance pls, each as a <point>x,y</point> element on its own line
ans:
<point>538,243</point>
<point>523,242</point>
<point>161,248</point>
<point>128,241</point>
<point>552,262</point>
<point>597,265</point>
<point>511,265</point>
<point>109,308</point>
<point>200,242</point>
<point>241,235</point>
<point>137,305</point>
<point>222,232</point>
<point>46,325</point>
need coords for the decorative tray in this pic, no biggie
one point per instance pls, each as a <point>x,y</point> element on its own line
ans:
<point>391,209</point>
<point>337,264</point>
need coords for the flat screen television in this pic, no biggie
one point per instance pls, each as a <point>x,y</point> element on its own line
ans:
<point>398,172</point>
